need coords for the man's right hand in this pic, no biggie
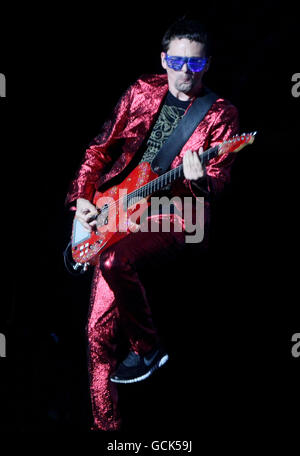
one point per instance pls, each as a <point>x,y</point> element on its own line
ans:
<point>85,213</point>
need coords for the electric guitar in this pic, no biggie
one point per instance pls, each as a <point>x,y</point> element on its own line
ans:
<point>118,205</point>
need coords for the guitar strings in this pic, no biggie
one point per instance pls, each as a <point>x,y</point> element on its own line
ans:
<point>171,173</point>
<point>149,186</point>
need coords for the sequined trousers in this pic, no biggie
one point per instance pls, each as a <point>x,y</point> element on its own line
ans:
<point>119,305</point>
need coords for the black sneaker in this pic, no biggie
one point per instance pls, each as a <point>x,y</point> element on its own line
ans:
<point>136,368</point>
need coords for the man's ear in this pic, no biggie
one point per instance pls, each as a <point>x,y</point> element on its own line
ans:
<point>163,60</point>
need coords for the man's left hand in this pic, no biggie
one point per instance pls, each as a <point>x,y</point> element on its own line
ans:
<point>192,167</point>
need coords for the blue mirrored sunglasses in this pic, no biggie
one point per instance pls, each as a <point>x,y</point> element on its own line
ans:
<point>194,64</point>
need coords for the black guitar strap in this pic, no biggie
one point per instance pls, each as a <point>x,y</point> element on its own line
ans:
<point>183,131</point>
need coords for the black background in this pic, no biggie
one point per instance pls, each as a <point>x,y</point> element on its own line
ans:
<point>227,320</point>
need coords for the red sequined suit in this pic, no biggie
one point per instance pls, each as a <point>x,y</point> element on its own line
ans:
<point>118,297</point>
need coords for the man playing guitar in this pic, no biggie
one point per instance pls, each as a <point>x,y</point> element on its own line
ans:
<point>144,118</point>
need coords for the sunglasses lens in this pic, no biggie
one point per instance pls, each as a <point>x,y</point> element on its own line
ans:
<point>175,63</point>
<point>196,65</point>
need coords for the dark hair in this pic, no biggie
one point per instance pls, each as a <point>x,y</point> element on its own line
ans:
<point>190,29</point>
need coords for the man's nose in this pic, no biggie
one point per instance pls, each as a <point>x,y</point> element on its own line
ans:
<point>185,68</point>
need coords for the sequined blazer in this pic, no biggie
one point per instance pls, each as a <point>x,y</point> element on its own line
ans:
<point>129,125</point>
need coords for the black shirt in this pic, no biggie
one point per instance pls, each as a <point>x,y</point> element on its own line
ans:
<point>169,116</point>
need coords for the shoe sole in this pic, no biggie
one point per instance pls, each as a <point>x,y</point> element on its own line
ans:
<point>156,366</point>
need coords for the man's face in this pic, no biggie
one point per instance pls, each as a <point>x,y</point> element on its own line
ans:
<point>184,83</point>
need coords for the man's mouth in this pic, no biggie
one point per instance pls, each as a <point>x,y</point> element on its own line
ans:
<point>185,80</point>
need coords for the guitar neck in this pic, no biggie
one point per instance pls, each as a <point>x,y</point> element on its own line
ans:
<point>167,178</point>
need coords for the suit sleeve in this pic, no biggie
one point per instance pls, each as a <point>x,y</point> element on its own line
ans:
<point>218,169</point>
<point>99,155</point>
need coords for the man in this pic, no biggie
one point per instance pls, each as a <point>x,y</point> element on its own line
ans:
<point>144,118</point>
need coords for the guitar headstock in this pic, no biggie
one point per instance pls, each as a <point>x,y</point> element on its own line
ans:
<point>236,143</point>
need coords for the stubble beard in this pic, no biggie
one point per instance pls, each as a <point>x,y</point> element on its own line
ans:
<point>184,86</point>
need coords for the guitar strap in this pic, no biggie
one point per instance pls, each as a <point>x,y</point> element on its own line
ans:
<point>186,126</point>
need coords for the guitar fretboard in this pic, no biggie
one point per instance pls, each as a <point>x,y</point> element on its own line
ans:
<point>165,179</point>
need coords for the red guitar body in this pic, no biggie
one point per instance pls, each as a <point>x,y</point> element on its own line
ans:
<point>121,205</point>
<point>113,222</point>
